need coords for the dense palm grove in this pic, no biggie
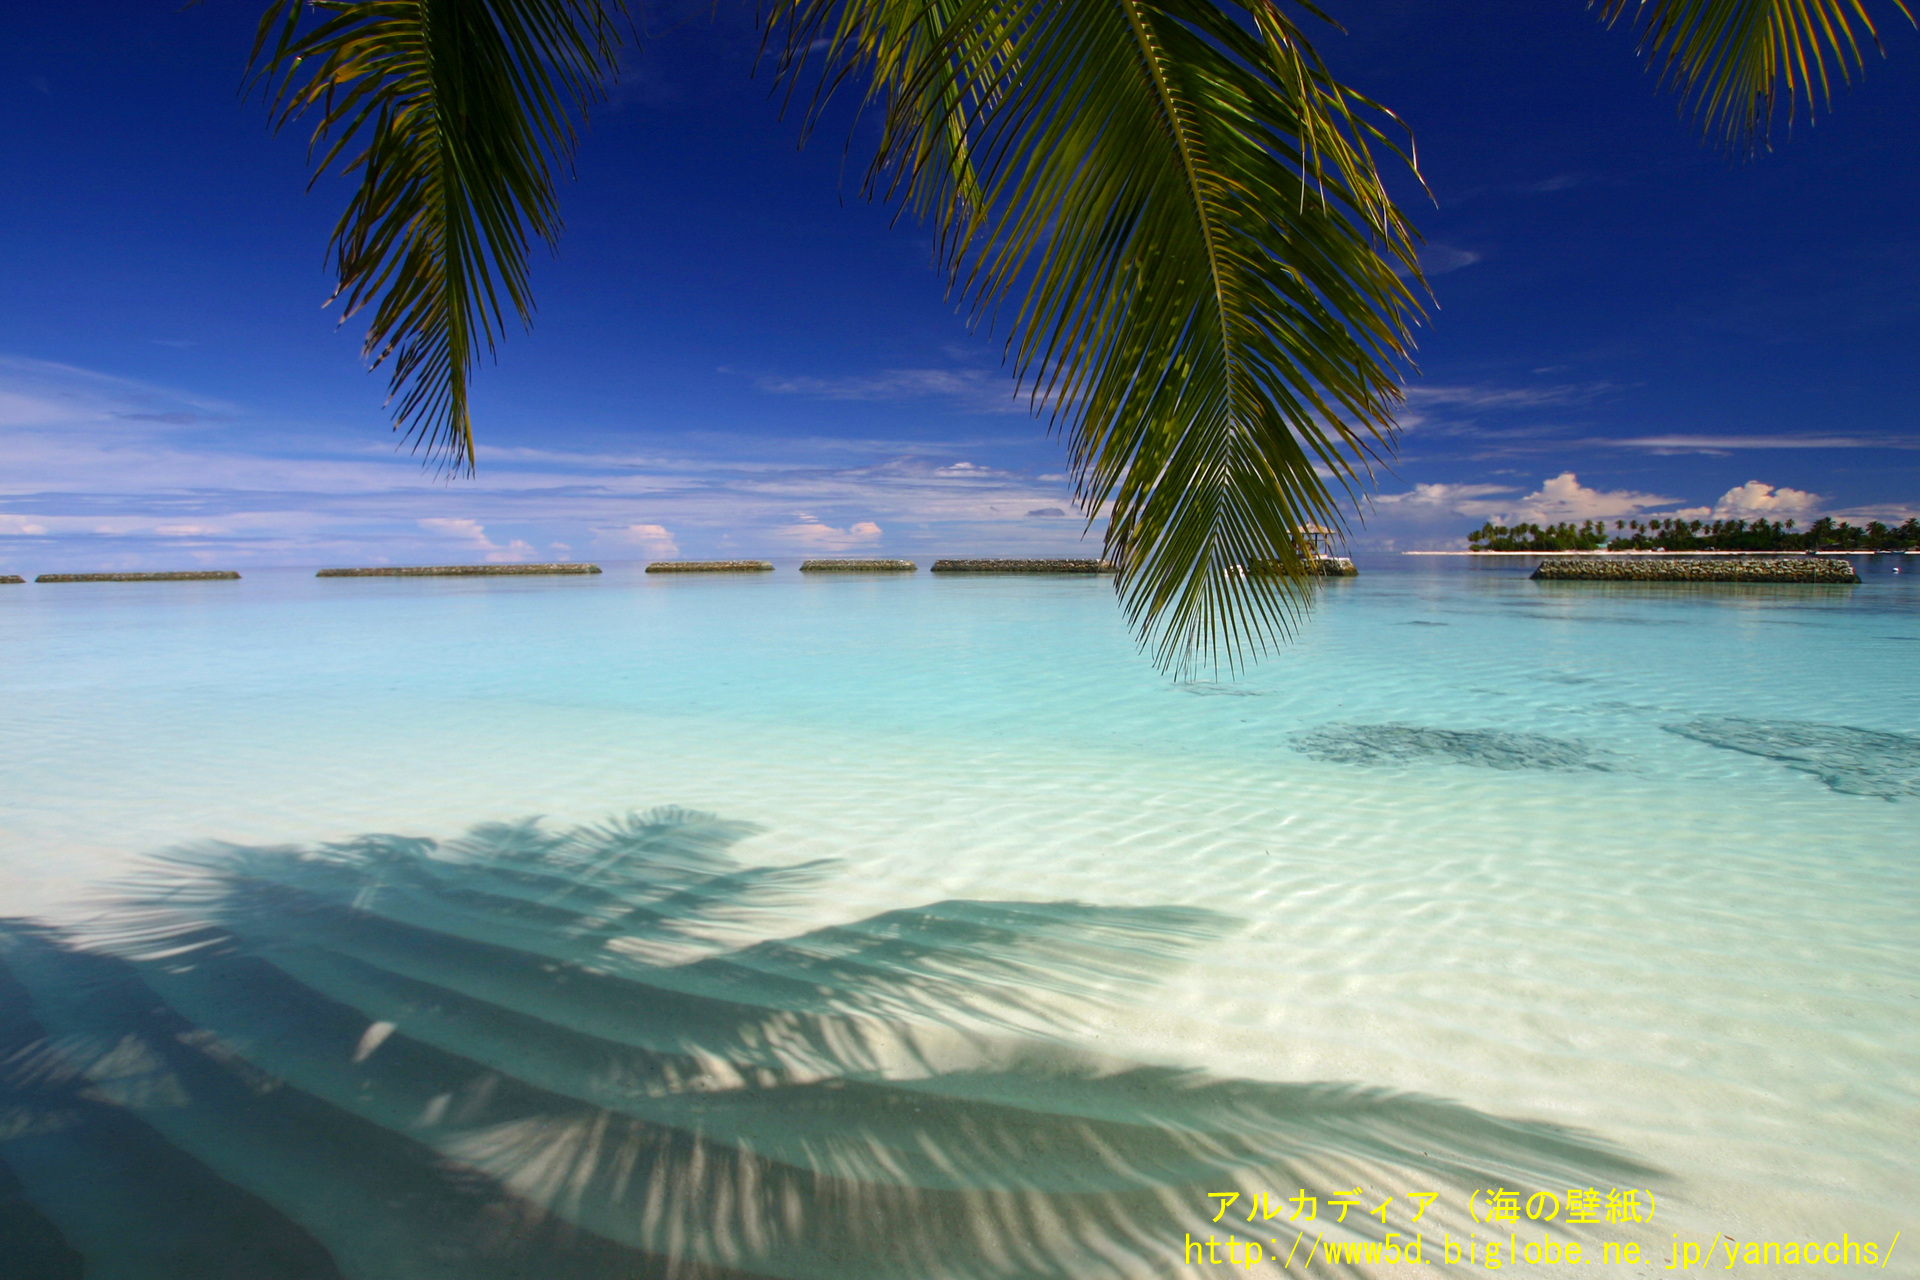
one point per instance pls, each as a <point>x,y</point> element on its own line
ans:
<point>1673,534</point>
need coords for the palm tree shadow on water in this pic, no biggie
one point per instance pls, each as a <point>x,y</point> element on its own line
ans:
<point>564,1054</point>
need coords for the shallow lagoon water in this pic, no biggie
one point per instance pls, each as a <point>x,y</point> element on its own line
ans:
<point>916,927</point>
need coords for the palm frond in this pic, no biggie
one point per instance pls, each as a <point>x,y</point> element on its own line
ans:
<point>1736,59</point>
<point>1209,281</point>
<point>460,111</point>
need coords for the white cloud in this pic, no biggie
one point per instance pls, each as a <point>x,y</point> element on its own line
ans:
<point>975,390</point>
<point>474,535</point>
<point>42,393</point>
<point>17,410</point>
<point>1727,444</point>
<point>471,531</point>
<point>1491,397</point>
<point>1461,499</point>
<point>1890,513</point>
<point>653,539</point>
<point>1565,498</point>
<point>1754,498</point>
<point>811,532</point>
<point>891,384</point>
<point>1438,259</point>
<point>108,474</point>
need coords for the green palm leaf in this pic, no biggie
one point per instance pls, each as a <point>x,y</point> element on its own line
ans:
<point>1174,201</point>
<point>1180,206</point>
<point>461,110</point>
<point>1737,58</point>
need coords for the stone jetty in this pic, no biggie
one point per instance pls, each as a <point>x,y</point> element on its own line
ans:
<point>190,575</point>
<point>711,566</point>
<point>858,566</point>
<point>1321,566</point>
<point>1022,566</point>
<point>10,577</point>
<point>457,570</point>
<point>1783,569</point>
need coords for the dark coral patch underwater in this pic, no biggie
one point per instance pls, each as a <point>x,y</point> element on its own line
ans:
<point>1376,744</point>
<point>1856,762</point>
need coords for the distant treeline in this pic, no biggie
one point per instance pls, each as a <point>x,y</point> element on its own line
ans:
<point>1695,535</point>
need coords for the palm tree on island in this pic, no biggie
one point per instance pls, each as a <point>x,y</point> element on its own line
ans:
<point>1211,290</point>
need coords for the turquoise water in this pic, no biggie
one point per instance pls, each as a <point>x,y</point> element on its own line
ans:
<point>914,927</point>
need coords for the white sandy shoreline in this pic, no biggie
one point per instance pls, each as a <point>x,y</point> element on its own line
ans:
<point>1664,554</point>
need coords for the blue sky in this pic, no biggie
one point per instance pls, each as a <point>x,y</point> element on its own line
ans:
<point>735,355</point>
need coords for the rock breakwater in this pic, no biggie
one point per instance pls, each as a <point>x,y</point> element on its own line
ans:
<point>858,566</point>
<point>711,566</point>
<point>1795,569</point>
<point>190,575</point>
<point>457,570</point>
<point>1322,566</point>
<point>1022,566</point>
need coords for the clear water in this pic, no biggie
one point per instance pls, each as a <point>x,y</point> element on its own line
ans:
<point>915,927</point>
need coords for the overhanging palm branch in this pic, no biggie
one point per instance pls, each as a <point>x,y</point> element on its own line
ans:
<point>1737,59</point>
<point>1207,277</point>
<point>1175,201</point>
<point>461,110</point>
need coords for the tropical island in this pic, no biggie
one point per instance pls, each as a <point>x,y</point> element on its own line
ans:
<point>1674,534</point>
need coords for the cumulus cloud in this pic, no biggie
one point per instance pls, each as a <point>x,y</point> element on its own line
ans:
<point>811,532</point>
<point>1565,498</point>
<point>1754,498</point>
<point>654,539</point>
<point>470,531</point>
<point>474,535</point>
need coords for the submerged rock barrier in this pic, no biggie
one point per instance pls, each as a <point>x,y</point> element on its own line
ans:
<point>189,575</point>
<point>1795,569</point>
<point>858,566</point>
<point>1022,566</point>
<point>456,570</point>
<point>711,566</point>
<point>1323,566</point>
